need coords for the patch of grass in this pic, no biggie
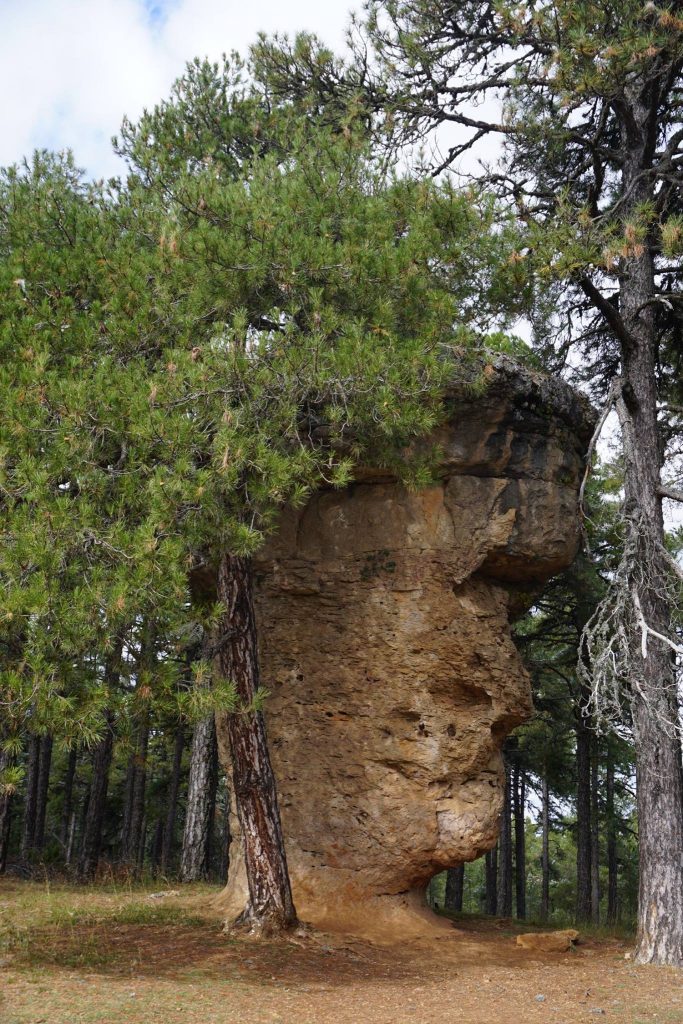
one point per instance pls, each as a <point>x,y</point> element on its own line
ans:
<point>73,926</point>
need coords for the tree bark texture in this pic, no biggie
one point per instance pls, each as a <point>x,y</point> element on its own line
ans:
<point>201,794</point>
<point>270,907</point>
<point>658,754</point>
<point>455,881</point>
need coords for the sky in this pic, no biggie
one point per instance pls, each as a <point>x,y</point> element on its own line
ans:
<point>70,69</point>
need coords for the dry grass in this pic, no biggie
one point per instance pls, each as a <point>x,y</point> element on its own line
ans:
<point>111,955</point>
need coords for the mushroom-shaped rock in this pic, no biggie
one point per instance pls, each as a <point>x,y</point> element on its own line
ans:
<point>385,645</point>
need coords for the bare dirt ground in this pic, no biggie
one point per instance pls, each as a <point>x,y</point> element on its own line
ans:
<point>115,956</point>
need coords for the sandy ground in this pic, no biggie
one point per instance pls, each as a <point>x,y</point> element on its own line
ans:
<point>133,960</point>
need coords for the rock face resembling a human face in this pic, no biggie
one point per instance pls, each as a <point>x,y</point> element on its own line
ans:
<point>384,624</point>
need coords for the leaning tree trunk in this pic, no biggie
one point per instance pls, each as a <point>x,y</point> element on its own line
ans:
<point>201,795</point>
<point>270,907</point>
<point>505,851</point>
<point>455,883</point>
<point>519,791</point>
<point>97,799</point>
<point>29,823</point>
<point>44,764</point>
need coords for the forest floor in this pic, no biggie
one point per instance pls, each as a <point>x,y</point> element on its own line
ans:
<point>115,955</point>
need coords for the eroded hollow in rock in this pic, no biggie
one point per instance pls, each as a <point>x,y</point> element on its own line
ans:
<point>385,643</point>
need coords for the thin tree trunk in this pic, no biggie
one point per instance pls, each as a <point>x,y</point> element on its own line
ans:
<point>270,907</point>
<point>612,891</point>
<point>91,841</point>
<point>201,794</point>
<point>124,844</point>
<point>156,850</point>
<point>138,790</point>
<point>30,799</point>
<point>455,883</point>
<point>140,852</point>
<point>67,801</point>
<point>172,801</point>
<point>491,888</point>
<point>70,841</point>
<point>583,816</point>
<point>595,836</point>
<point>519,790</point>
<point>505,851</point>
<point>6,801</point>
<point>44,764</point>
<point>545,852</point>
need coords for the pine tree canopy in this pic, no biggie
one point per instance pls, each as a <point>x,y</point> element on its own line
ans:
<point>185,352</point>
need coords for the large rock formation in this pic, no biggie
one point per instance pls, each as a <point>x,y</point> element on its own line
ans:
<point>385,640</point>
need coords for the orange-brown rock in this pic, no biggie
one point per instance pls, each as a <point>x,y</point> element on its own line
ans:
<point>548,942</point>
<point>384,621</point>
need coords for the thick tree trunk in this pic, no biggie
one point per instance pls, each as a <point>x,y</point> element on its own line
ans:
<point>652,683</point>
<point>30,799</point>
<point>612,892</point>
<point>172,801</point>
<point>44,764</point>
<point>505,851</point>
<point>97,800</point>
<point>201,795</point>
<point>545,848</point>
<point>595,835</point>
<point>455,882</point>
<point>519,790</point>
<point>583,815</point>
<point>270,907</point>
<point>67,799</point>
<point>491,881</point>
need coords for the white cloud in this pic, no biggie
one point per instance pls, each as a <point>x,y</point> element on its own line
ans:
<point>70,69</point>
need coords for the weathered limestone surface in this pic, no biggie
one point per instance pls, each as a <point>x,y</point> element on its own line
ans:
<point>385,645</point>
